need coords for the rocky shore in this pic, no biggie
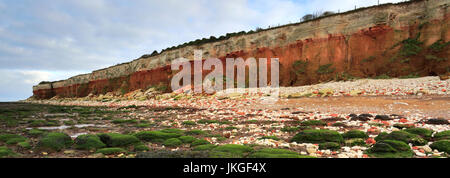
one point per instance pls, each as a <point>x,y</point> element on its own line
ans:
<point>385,118</point>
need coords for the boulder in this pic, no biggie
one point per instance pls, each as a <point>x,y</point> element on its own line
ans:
<point>88,142</point>
<point>54,141</point>
<point>391,149</point>
<point>383,117</point>
<point>402,136</point>
<point>442,145</point>
<point>437,121</point>
<point>355,134</point>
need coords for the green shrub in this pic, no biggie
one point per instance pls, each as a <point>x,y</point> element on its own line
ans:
<point>117,140</point>
<point>88,142</point>
<point>391,149</point>
<point>54,141</point>
<point>329,146</point>
<point>110,151</point>
<point>199,142</point>
<point>410,47</point>
<point>444,135</point>
<point>187,139</point>
<point>402,136</point>
<point>317,136</point>
<point>442,145</point>
<point>300,67</point>
<point>172,142</point>
<point>355,134</point>
<point>325,69</point>
<point>156,136</point>
<point>438,46</point>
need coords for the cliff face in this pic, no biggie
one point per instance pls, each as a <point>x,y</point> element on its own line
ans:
<point>406,39</point>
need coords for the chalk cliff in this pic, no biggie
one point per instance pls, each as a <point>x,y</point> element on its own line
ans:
<point>405,39</point>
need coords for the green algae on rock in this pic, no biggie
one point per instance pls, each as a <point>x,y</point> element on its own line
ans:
<point>230,151</point>
<point>355,134</point>
<point>110,151</point>
<point>156,136</point>
<point>444,135</point>
<point>402,136</point>
<point>88,142</point>
<point>442,145</point>
<point>276,153</point>
<point>391,149</point>
<point>318,136</point>
<point>54,141</point>
<point>6,152</point>
<point>117,140</point>
<point>172,142</point>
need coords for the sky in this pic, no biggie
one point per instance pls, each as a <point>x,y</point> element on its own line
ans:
<point>49,40</point>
